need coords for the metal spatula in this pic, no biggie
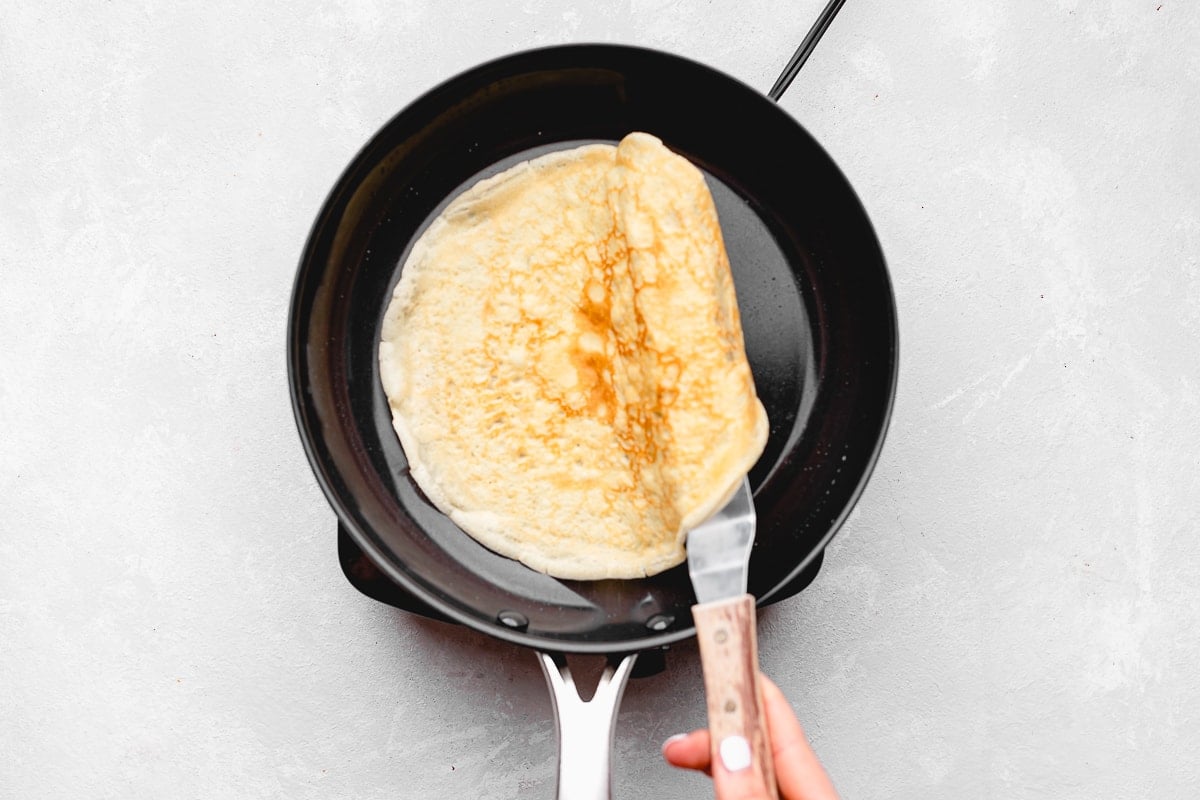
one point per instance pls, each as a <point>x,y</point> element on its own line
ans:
<point>718,559</point>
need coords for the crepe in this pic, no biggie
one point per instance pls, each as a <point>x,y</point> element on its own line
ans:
<point>564,363</point>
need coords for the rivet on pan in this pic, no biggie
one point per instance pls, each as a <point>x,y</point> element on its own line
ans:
<point>660,622</point>
<point>513,619</point>
<point>730,706</point>
<point>721,636</point>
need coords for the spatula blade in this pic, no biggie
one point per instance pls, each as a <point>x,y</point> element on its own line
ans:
<point>718,551</point>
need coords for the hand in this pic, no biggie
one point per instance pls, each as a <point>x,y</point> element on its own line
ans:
<point>797,770</point>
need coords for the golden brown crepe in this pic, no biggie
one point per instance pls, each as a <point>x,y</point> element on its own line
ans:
<point>563,358</point>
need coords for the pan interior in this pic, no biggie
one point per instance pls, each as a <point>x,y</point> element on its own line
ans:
<point>813,293</point>
<point>779,347</point>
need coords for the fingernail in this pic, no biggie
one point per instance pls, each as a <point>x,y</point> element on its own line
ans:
<point>735,753</point>
<point>672,739</point>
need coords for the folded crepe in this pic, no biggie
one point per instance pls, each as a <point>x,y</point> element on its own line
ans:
<point>564,363</point>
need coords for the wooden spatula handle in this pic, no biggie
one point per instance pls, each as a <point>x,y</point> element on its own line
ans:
<point>729,655</point>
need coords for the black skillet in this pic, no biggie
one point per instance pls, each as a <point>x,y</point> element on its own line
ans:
<point>817,311</point>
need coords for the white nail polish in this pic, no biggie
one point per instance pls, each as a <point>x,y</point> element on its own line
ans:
<point>672,739</point>
<point>735,753</point>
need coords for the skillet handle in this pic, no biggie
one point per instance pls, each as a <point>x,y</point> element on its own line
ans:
<point>729,655</point>
<point>585,728</point>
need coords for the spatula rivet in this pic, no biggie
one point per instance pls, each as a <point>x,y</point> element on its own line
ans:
<point>730,706</point>
<point>721,636</point>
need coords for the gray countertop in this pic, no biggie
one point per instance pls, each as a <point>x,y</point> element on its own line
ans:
<point>1010,612</point>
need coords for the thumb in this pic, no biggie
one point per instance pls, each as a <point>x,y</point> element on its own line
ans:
<point>735,775</point>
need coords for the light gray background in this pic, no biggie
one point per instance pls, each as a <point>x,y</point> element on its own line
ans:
<point>1010,612</point>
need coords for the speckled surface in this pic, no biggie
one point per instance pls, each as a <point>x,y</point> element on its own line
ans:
<point>1011,612</point>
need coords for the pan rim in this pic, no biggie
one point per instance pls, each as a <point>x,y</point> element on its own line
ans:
<point>297,370</point>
